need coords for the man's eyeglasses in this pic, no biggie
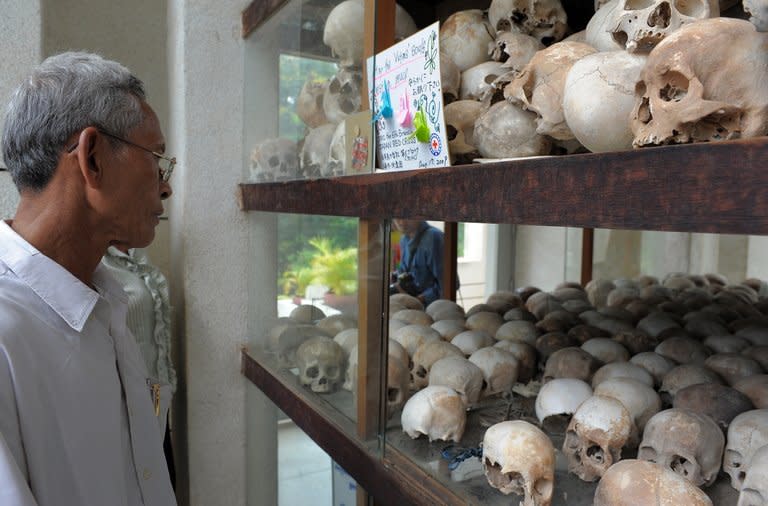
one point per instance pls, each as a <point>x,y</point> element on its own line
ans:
<point>165,163</point>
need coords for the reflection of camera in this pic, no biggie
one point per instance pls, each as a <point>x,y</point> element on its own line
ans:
<point>406,283</point>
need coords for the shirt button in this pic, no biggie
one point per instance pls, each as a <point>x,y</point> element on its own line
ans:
<point>147,474</point>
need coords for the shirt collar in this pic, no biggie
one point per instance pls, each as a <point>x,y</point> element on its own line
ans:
<point>69,297</point>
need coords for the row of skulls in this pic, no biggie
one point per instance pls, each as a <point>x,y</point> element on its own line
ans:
<point>666,368</point>
<point>641,73</point>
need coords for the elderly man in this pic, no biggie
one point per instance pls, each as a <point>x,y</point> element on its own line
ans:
<point>81,421</point>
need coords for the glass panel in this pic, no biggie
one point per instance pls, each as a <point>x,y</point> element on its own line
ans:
<point>302,95</point>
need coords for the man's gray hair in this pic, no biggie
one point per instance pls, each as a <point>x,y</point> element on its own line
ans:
<point>65,94</point>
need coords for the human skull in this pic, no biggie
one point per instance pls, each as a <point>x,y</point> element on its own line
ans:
<point>465,36</point>
<point>337,152</point>
<point>549,343</point>
<point>544,20</point>
<point>732,367</point>
<point>405,300</point>
<point>540,86</point>
<point>726,343</point>
<point>309,103</point>
<point>622,370</point>
<point>437,411</point>
<point>514,50</point>
<point>470,341</point>
<point>655,364</point>
<point>314,152</point>
<point>597,432</point>
<point>754,491</point>
<point>398,352</point>
<point>758,13</point>
<point>685,375</point>
<point>461,375</point>
<point>719,402</point>
<point>321,363</point>
<point>641,25</point>
<point>641,401</point>
<point>288,340</point>
<point>688,443</point>
<point>561,396</point>
<point>500,369</point>
<point>413,336</point>
<point>413,317</point>
<point>683,350</point>
<point>350,375</point>
<point>344,31</point>
<point>746,433</point>
<point>450,78</point>
<point>598,290</point>
<point>657,322</point>
<point>597,33</point>
<point>274,160</point>
<point>599,98</point>
<point>526,358</point>
<point>342,95</point>
<point>347,339</point>
<point>505,131</point>
<point>756,388</point>
<point>477,81</point>
<point>335,323</point>
<point>606,350</point>
<point>632,482</point>
<point>687,93</point>
<point>398,380</point>
<point>427,354</point>
<point>448,329</point>
<point>636,341</point>
<point>460,117</point>
<point>521,331</point>
<point>570,362</point>
<point>487,321</point>
<point>445,309</point>
<point>519,458</point>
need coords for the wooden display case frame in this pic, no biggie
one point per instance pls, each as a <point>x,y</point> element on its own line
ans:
<point>712,187</point>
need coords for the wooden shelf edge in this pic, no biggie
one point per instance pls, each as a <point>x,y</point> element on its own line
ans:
<point>257,12</point>
<point>708,187</point>
<point>399,482</point>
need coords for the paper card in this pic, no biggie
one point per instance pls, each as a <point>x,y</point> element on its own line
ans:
<point>407,103</point>
<point>360,145</point>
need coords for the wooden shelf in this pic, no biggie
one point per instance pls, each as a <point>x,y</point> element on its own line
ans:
<point>714,187</point>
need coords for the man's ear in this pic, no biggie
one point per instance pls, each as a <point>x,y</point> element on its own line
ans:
<point>90,144</point>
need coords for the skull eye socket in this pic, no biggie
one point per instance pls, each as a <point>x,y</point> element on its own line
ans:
<point>312,372</point>
<point>543,488</point>
<point>503,25</point>
<point>421,372</point>
<point>635,5</point>
<point>676,88</point>
<point>334,86</point>
<point>332,371</point>
<point>680,465</point>
<point>274,161</point>
<point>393,394</point>
<point>451,132</point>
<point>595,453</point>
<point>660,16</point>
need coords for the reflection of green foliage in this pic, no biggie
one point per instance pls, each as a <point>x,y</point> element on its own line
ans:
<point>295,253</point>
<point>334,267</point>
<point>294,71</point>
<point>296,282</point>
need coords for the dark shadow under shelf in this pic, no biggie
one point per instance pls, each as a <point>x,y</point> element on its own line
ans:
<point>712,187</point>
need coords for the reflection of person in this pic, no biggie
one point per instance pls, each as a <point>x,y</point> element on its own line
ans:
<point>149,320</point>
<point>421,248</point>
<point>81,420</point>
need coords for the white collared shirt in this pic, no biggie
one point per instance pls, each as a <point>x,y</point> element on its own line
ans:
<point>77,411</point>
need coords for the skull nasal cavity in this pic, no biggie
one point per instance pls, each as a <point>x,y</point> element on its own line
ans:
<point>393,394</point>
<point>660,16</point>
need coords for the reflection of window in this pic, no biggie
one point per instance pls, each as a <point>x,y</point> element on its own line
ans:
<point>294,71</point>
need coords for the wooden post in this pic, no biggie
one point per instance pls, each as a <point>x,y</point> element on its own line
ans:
<point>450,279</point>
<point>587,252</point>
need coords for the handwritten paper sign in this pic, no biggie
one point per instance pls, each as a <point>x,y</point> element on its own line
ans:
<point>407,101</point>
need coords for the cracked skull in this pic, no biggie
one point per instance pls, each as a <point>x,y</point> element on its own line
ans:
<point>596,434</point>
<point>274,160</point>
<point>688,443</point>
<point>519,458</point>
<point>544,20</point>
<point>642,24</point>
<point>688,92</point>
